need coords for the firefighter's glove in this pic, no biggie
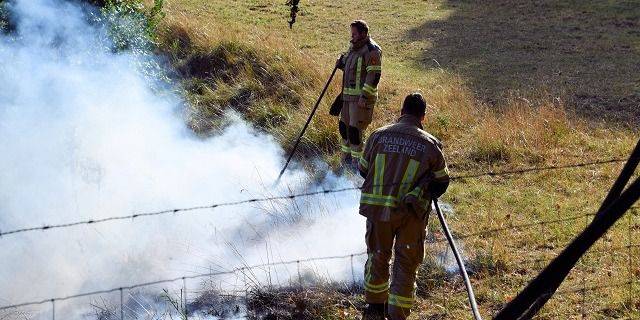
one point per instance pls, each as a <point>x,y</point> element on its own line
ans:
<point>410,203</point>
<point>340,62</point>
<point>437,188</point>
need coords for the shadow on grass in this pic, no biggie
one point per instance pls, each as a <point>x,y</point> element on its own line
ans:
<point>586,52</point>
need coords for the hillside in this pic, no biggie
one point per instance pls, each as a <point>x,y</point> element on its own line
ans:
<point>510,84</point>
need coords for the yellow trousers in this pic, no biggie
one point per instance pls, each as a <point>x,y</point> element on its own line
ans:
<point>405,237</point>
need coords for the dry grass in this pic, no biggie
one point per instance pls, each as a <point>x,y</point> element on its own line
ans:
<point>264,84</point>
<point>241,56</point>
<point>323,302</point>
<point>275,89</point>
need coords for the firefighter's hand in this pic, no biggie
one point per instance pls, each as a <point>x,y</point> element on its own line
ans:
<point>437,188</point>
<point>339,63</point>
<point>410,203</point>
<point>362,102</point>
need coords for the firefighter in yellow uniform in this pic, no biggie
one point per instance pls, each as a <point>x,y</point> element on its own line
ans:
<point>404,168</point>
<point>362,67</point>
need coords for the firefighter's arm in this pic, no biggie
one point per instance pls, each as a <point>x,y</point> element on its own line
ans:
<point>363,163</point>
<point>432,183</point>
<point>374,71</point>
<point>440,174</point>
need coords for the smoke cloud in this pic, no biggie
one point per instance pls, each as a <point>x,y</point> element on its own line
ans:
<point>85,133</point>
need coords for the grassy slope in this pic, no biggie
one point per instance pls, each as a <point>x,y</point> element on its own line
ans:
<point>531,67</point>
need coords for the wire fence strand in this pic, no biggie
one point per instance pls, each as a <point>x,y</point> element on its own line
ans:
<point>325,258</point>
<point>182,278</point>
<point>185,210</point>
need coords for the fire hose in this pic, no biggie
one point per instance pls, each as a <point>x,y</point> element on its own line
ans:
<point>463,271</point>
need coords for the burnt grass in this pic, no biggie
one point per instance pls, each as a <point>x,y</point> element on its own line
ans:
<point>339,300</point>
<point>320,301</point>
<point>299,303</point>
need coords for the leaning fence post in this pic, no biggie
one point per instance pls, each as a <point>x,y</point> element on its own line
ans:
<point>584,280</point>
<point>629,253</point>
<point>539,290</point>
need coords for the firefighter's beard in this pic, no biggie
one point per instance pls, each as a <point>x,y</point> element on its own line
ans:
<point>84,136</point>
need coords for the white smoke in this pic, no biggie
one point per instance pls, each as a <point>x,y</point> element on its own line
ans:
<point>83,135</point>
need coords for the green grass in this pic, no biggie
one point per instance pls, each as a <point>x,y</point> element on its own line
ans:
<point>510,84</point>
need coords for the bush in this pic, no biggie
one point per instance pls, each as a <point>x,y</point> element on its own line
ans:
<point>130,25</point>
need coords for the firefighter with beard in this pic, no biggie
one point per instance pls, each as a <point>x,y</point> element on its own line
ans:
<point>362,68</point>
<point>404,169</point>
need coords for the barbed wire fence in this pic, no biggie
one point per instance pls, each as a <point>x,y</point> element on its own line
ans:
<point>493,233</point>
<point>177,211</point>
<point>595,276</point>
<point>299,264</point>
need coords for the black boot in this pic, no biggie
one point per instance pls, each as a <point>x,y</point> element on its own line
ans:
<point>374,311</point>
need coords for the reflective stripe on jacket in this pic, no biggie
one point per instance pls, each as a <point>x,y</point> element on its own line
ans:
<point>399,159</point>
<point>362,67</point>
